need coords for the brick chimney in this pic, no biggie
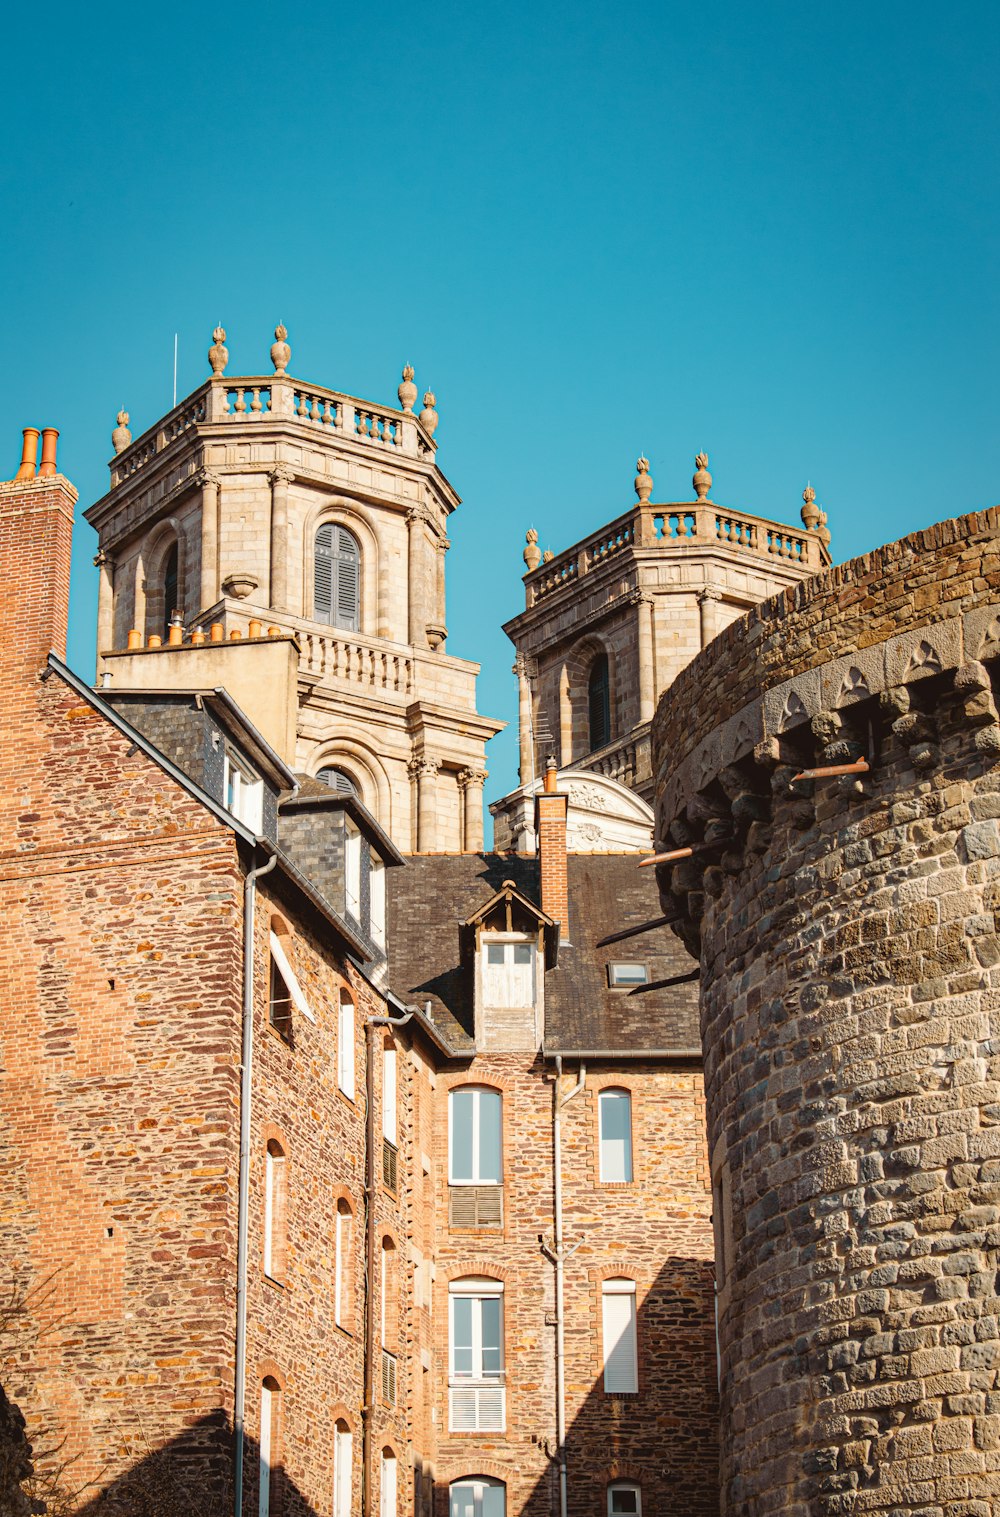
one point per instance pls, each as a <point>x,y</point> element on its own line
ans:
<point>550,829</point>
<point>36,534</point>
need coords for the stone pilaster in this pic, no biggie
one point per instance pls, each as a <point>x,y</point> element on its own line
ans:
<point>527,758</point>
<point>708,599</point>
<point>279,479</point>
<point>210,485</point>
<point>105,601</point>
<point>424,772</point>
<point>647,678</point>
<point>470,783</point>
<point>416,522</point>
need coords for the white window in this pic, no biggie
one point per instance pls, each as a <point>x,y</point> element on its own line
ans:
<point>477,1497</point>
<point>377,890</point>
<point>621,975</point>
<point>615,1116</point>
<point>280,960</point>
<point>342,1470</point>
<point>352,870</point>
<point>389,1095</point>
<point>342,1257</point>
<point>476,1397</point>
<point>270,1394</point>
<point>275,1205</point>
<point>345,1045</point>
<point>621,1374</point>
<point>474,1146</point>
<point>508,972</point>
<point>387,1485</point>
<point>624,1497</point>
<point>244,793</point>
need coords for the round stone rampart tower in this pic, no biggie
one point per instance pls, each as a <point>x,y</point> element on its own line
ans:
<point>846,923</point>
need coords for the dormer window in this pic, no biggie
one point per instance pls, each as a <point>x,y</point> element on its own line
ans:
<point>624,976</point>
<point>508,971</point>
<point>352,870</point>
<point>244,792</point>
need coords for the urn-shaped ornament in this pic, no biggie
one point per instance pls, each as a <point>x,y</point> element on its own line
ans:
<point>823,531</point>
<point>121,436</point>
<point>428,416</point>
<point>532,553</point>
<point>702,480</point>
<point>218,353</point>
<point>281,353</point>
<point>810,511</point>
<point>407,391</point>
<point>643,483</point>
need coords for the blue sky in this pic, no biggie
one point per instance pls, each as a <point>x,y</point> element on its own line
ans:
<point>769,231</point>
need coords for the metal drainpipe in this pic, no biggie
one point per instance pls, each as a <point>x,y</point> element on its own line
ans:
<point>558,1256</point>
<point>369,1402</point>
<point>244,1189</point>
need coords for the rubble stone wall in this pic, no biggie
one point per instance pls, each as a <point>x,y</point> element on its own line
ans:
<point>847,930</point>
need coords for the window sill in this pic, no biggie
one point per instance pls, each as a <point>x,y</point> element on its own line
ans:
<point>347,1100</point>
<point>345,1330</point>
<point>273,1281</point>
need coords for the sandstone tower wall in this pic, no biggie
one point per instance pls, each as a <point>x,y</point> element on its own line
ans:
<point>847,930</point>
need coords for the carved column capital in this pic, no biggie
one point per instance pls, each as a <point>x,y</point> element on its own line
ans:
<point>469,779</point>
<point>640,598</point>
<point>281,474</point>
<point>418,768</point>
<point>417,516</point>
<point>207,479</point>
<point>709,592</point>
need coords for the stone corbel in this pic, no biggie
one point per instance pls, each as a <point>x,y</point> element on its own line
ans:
<point>975,690</point>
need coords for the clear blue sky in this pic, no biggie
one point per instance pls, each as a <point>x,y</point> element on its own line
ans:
<point>769,231</point>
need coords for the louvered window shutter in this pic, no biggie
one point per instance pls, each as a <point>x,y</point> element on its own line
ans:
<point>620,1368</point>
<point>323,575</point>
<point>348,585</point>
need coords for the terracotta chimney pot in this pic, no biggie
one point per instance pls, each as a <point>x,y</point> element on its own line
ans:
<point>29,453</point>
<point>135,638</point>
<point>254,629</point>
<point>197,637</point>
<point>235,635</point>
<point>155,641</point>
<point>274,631</point>
<point>175,635</point>
<point>50,437</point>
<point>217,633</point>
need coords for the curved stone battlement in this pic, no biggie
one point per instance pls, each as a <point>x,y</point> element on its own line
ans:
<point>851,1020</point>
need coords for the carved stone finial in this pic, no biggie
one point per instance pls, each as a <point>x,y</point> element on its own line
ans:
<point>810,511</point>
<point>218,353</point>
<point>407,391</point>
<point>532,554</point>
<point>121,436</point>
<point>702,480</point>
<point>281,353</point>
<point>428,416</point>
<point>548,556</point>
<point>823,531</point>
<point>643,479</point>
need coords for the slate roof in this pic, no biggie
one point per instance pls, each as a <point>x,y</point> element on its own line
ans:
<point>435,892</point>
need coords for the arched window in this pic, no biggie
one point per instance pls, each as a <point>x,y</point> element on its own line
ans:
<point>599,702</point>
<point>275,1209</point>
<point>170,580</point>
<point>476,1496</point>
<point>624,1496</point>
<point>477,1398</point>
<point>337,779</point>
<point>388,1318</point>
<point>343,1261</point>
<point>387,1484</point>
<point>337,578</point>
<point>342,1471</point>
<point>270,1429</point>
<point>345,1045</point>
<point>615,1116</point>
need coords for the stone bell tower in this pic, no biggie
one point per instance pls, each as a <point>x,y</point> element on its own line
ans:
<point>262,506</point>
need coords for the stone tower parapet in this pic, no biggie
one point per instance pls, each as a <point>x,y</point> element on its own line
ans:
<point>829,768</point>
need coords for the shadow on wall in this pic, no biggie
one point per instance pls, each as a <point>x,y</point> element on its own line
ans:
<point>660,1445</point>
<point>191,1475</point>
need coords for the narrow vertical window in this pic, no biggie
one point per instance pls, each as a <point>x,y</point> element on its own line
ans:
<point>270,1408</point>
<point>345,1045</point>
<point>621,1372</point>
<point>170,582</point>
<point>342,1262</point>
<point>275,1209</point>
<point>615,1117</point>
<point>377,892</point>
<point>477,1394</point>
<point>389,1320</point>
<point>387,1487</point>
<point>389,1123</point>
<point>337,578</point>
<point>599,702</point>
<point>342,1471</point>
<point>474,1149</point>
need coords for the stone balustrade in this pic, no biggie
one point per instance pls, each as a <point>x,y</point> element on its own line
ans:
<point>355,660</point>
<point>264,399</point>
<point>680,525</point>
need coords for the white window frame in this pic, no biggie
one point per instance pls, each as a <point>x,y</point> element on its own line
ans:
<point>345,1045</point>
<point>490,940</point>
<point>343,1470</point>
<point>388,1485</point>
<point>476,1091</point>
<point>622,1486</point>
<point>619,977</point>
<point>246,803</point>
<point>476,1485</point>
<point>376,895</point>
<point>606,1095</point>
<point>265,1451</point>
<point>617,1383</point>
<point>390,1122</point>
<point>342,1241</point>
<point>477,1289</point>
<point>280,957</point>
<point>352,869</point>
<point>271,1175</point>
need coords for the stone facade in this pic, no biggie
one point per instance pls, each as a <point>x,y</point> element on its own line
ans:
<point>219,505</point>
<point>646,592</point>
<point>831,764</point>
